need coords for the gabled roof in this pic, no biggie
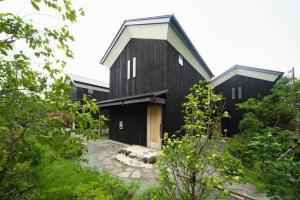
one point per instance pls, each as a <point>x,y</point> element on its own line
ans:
<point>253,72</point>
<point>83,80</point>
<point>164,27</point>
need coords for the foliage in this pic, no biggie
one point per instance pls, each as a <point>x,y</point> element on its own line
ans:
<point>269,143</point>
<point>34,99</point>
<point>152,192</point>
<point>192,166</point>
<point>65,179</point>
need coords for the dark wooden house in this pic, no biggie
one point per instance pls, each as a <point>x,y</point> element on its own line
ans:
<point>238,84</point>
<point>91,88</point>
<point>152,65</point>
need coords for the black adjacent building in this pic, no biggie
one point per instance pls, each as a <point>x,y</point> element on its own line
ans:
<point>153,64</point>
<point>238,84</point>
<point>91,88</point>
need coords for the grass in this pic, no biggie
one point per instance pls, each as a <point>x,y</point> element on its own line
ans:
<point>62,179</point>
<point>250,176</point>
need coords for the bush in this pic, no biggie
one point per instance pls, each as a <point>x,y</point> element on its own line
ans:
<point>269,146</point>
<point>65,179</point>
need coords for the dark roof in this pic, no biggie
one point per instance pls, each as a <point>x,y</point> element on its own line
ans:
<point>88,81</point>
<point>147,97</point>
<point>278,73</point>
<point>170,19</point>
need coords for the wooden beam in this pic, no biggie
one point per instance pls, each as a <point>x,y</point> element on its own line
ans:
<point>157,100</point>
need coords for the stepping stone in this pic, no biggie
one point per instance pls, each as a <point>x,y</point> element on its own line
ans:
<point>118,164</point>
<point>129,169</point>
<point>109,166</point>
<point>139,158</point>
<point>132,155</point>
<point>148,175</point>
<point>124,174</point>
<point>145,160</point>
<point>147,170</point>
<point>136,174</point>
<point>152,160</point>
<point>117,170</point>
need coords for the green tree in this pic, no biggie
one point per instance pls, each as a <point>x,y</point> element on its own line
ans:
<point>35,110</point>
<point>269,143</point>
<point>192,165</point>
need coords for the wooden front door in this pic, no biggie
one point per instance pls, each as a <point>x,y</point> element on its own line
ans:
<point>154,126</point>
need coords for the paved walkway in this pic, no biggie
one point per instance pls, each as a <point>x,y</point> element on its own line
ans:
<point>101,155</point>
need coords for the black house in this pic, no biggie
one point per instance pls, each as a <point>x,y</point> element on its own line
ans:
<point>152,65</point>
<point>93,89</point>
<point>238,84</point>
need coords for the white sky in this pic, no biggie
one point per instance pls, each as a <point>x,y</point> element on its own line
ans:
<point>258,33</point>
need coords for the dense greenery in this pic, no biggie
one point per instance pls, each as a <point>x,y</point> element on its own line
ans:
<point>35,110</point>
<point>269,143</point>
<point>66,179</point>
<point>193,166</point>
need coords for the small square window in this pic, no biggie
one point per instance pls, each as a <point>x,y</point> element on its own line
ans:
<point>180,60</point>
<point>232,93</point>
<point>240,92</point>
<point>90,91</point>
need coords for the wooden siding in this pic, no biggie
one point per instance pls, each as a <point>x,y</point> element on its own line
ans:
<point>134,119</point>
<point>98,95</point>
<point>157,69</point>
<point>78,93</point>
<point>251,87</point>
<point>150,75</point>
<point>179,81</point>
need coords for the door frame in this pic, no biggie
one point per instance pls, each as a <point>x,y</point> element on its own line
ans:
<point>150,144</point>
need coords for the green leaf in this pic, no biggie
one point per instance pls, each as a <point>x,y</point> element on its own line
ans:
<point>34,4</point>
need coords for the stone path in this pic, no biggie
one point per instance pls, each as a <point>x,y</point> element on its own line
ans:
<point>101,155</point>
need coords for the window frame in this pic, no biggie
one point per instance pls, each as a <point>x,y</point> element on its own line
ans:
<point>133,67</point>
<point>128,69</point>
<point>90,91</point>
<point>240,92</point>
<point>233,93</point>
<point>180,59</point>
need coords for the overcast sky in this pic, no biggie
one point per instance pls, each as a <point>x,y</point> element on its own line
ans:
<point>258,33</point>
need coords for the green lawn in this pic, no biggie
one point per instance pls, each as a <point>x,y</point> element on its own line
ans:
<point>61,179</point>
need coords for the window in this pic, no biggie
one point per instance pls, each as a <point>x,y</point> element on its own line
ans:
<point>120,125</point>
<point>180,60</point>
<point>90,91</point>
<point>240,92</point>
<point>134,67</point>
<point>128,69</point>
<point>232,93</point>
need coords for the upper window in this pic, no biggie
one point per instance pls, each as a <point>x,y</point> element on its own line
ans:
<point>90,91</point>
<point>128,69</point>
<point>180,60</point>
<point>134,67</point>
<point>240,96</point>
<point>232,93</point>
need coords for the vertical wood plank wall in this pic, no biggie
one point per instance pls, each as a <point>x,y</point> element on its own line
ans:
<point>251,87</point>
<point>179,81</point>
<point>157,69</point>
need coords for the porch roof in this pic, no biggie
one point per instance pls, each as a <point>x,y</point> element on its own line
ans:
<point>152,97</point>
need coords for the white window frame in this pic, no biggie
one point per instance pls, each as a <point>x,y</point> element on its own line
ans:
<point>90,91</point>
<point>233,93</point>
<point>240,92</point>
<point>180,59</point>
<point>134,67</point>
<point>128,69</point>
